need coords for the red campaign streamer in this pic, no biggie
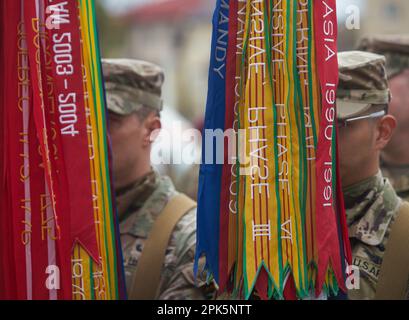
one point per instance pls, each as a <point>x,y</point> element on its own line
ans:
<point>36,63</point>
<point>36,177</point>
<point>34,169</point>
<point>39,244</point>
<point>41,116</point>
<point>14,161</point>
<point>325,20</point>
<point>3,204</point>
<point>227,167</point>
<point>290,291</point>
<point>40,205</point>
<point>262,284</point>
<point>5,250</point>
<point>65,40</point>
<point>8,288</point>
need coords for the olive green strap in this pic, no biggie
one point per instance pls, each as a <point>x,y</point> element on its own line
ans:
<point>394,274</point>
<point>147,275</point>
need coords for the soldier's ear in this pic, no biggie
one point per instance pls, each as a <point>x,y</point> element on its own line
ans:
<point>385,129</point>
<point>152,125</point>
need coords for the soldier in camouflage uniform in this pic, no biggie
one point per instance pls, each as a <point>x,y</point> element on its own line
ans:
<point>133,90</point>
<point>395,157</point>
<point>364,130</point>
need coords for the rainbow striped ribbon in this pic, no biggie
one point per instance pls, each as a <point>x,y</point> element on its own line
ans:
<point>267,219</point>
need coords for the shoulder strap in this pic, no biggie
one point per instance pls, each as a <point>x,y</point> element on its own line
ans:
<point>146,278</point>
<point>394,274</point>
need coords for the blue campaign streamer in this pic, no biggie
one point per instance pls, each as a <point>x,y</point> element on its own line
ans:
<point>210,176</point>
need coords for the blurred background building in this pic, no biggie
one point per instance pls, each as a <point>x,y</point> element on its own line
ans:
<point>375,17</point>
<point>176,34</point>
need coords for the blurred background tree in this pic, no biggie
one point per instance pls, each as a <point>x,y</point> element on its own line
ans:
<point>113,32</point>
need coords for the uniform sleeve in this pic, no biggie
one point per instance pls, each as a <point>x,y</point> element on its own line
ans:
<point>178,281</point>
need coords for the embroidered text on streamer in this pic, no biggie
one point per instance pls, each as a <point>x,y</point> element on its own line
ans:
<point>271,221</point>
<point>58,237</point>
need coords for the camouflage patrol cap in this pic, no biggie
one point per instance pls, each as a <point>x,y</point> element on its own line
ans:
<point>131,84</point>
<point>362,83</point>
<point>395,48</point>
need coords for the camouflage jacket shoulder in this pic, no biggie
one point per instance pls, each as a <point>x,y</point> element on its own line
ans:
<point>177,279</point>
<point>371,208</point>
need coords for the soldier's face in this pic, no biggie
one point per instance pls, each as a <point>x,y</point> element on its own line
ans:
<point>360,144</point>
<point>127,145</point>
<point>357,148</point>
<point>399,108</point>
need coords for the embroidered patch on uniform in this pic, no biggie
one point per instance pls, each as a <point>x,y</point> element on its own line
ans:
<point>370,268</point>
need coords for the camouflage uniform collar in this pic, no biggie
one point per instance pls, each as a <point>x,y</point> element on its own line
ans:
<point>356,190</point>
<point>140,221</point>
<point>135,194</point>
<point>369,207</point>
